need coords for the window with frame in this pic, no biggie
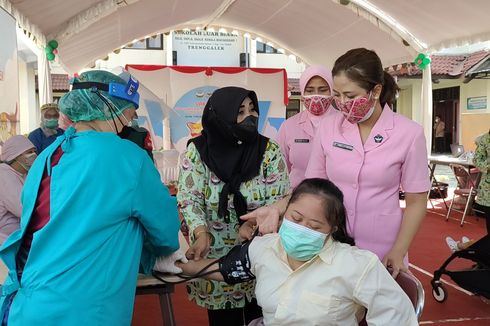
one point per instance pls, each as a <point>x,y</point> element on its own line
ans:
<point>294,106</point>
<point>154,42</point>
<point>264,48</point>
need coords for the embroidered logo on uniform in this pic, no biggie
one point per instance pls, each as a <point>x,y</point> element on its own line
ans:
<point>378,139</point>
<point>301,140</point>
<point>343,146</point>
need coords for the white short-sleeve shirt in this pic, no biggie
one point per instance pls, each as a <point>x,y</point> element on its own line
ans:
<point>330,289</point>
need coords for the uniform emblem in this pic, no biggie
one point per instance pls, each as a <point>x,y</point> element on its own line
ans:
<point>378,139</point>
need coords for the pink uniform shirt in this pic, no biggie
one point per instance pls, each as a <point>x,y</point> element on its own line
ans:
<point>370,175</point>
<point>295,138</point>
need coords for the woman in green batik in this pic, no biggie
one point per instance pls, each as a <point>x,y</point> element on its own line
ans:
<point>226,172</point>
<point>482,161</point>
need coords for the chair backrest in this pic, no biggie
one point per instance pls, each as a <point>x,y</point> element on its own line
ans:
<point>414,290</point>
<point>463,177</point>
<point>167,164</point>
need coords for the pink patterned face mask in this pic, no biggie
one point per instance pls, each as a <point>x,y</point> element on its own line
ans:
<point>356,110</point>
<point>317,104</point>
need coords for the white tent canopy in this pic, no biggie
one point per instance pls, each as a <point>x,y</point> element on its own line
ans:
<point>317,31</point>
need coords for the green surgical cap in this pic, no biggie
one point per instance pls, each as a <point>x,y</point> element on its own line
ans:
<point>85,105</point>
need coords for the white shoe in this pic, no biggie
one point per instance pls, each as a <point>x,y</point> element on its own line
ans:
<point>452,244</point>
<point>465,239</point>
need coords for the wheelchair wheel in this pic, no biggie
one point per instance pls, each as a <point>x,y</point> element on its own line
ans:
<point>439,293</point>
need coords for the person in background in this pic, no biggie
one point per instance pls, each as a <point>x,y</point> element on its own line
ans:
<point>46,134</point>
<point>226,172</point>
<point>368,151</point>
<point>94,212</point>
<point>482,202</point>
<point>65,122</point>
<point>439,136</point>
<point>482,162</point>
<point>296,134</point>
<point>309,273</point>
<point>17,156</point>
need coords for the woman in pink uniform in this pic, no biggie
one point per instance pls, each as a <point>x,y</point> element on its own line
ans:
<point>296,134</point>
<point>369,152</point>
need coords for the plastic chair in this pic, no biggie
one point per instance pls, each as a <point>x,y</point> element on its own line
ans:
<point>414,290</point>
<point>466,189</point>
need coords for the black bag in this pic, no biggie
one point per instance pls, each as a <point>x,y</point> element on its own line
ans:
<point>438,190</point>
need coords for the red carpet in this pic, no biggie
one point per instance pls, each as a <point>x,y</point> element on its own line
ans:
<point>428,252</point>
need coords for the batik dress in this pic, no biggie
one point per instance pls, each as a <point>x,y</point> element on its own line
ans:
<point>198,199</point>
<point>482,161</point>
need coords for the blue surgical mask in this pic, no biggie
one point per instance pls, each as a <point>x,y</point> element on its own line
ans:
<point>51,123</point>
<point>300,242</point>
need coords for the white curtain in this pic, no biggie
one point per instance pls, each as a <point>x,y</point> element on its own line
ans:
<point>44,80</point>
<point>427,106</point>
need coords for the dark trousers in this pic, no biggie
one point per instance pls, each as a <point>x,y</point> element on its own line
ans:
<point>486,210</point>
<point>440,145</point>
<point>236,316</point>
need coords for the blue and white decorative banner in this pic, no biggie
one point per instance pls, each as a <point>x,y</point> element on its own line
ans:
<point>173,98</point>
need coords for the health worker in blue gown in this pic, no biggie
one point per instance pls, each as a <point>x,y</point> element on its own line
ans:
<point>94,214</point>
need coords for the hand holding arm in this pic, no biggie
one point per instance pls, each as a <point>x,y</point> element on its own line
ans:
<point>247,230</point>
<point>202,242</point>
<point>193,267</point>
<point>167,264</point>
<point>267,217</point>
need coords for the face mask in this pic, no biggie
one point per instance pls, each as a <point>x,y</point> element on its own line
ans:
<point>28,160</point>
<point>317,104</point>
<point>133,123</point>
<point>138,135</point>
<point>247,130</point>
<point>300,242</point>
<point>51,123</point>
<point>356,110</point>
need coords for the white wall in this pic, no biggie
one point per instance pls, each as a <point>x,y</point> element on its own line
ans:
<point>29,114</point>
<point>134,56</point>
<point>164,57</point>
<point>410,98</point>
<point>266,60</point>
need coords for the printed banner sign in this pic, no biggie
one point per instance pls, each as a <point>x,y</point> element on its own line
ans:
<point>476,103</point>
<point>206,48</point>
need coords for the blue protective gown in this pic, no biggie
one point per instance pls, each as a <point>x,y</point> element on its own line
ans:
<point>41,141</point>
<point>110,215</point>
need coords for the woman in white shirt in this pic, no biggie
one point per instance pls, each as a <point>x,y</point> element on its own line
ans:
<point>308,273</point>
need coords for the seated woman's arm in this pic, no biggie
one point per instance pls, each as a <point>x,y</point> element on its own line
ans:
<point>194,266</point>
<point>233,268</point>
<point>386,302</point>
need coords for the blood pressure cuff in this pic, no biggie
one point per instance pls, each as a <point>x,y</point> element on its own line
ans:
<point>235,266</point>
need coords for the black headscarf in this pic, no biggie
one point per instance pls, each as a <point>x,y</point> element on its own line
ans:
<point>232,160</point>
